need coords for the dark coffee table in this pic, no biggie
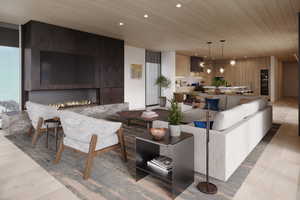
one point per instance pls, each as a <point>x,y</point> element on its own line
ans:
<point>137,115</point>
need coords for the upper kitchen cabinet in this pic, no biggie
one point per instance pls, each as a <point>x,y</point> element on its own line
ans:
<point>195,64</point>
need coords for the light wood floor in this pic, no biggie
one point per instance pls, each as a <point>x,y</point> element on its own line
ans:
<point>22,178</point>
<point>276,175</point>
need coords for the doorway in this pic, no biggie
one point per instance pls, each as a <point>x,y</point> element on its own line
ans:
<point>153,64</point>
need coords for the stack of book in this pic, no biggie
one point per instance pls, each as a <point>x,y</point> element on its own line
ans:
<point>149,114</point>
<point>161,164</point>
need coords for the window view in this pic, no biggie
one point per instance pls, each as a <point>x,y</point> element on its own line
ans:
<point>9,79</point>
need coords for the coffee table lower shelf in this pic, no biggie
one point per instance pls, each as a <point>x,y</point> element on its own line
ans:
<point>164,177</point>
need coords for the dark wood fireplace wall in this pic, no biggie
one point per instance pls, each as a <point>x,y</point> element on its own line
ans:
<point>107,55</point>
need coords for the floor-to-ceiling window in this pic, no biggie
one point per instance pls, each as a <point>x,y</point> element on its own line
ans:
<point>9,69</point>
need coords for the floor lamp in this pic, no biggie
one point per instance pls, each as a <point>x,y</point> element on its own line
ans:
<point>207,187</point>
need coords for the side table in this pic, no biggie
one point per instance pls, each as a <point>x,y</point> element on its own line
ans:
<point>181,152</point>
<point>55,125</point>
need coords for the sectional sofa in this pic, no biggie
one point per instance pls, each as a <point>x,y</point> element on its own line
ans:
<point>235,133</point>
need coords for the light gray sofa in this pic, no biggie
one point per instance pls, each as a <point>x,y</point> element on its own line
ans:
<point>226,102</point>
<point>235,133</point>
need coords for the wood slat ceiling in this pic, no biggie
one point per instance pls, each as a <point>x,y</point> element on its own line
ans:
<point>250,27</point>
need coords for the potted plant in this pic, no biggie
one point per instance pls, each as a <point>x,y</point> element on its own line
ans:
<point>163,83</point>
<point>217,82</point>
<point>174,118</point>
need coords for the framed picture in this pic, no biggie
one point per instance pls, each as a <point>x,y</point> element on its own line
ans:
<point>136,71</point>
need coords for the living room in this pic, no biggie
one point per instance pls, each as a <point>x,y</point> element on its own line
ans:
<point>149,100</point>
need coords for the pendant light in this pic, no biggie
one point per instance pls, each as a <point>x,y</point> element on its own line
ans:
<point>209,64</point>
<point>222,70</point>
<point>232,62</point>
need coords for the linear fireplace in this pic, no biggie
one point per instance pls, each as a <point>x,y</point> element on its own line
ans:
<point>66,66</point>
<point>56,97</point>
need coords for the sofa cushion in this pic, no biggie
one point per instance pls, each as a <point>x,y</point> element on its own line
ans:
<point>234,100</point>
<point>197,114</point>
<point>254,106</point>
<point>228,118</point>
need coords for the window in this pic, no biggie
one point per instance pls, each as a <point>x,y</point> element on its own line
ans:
<point>9,79</point>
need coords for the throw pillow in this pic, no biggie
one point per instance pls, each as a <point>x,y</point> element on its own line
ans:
<point>212,104</point>
<point>202,124</point>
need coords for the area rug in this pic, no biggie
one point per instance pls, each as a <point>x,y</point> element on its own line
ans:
<point>112,179</point>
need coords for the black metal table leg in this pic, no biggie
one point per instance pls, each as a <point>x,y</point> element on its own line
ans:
<point>47,137</point>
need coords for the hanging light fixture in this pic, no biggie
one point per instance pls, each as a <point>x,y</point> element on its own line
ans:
<point>202,64</point>
<point>232,62</point>
<point>222,70</point>
<point>209,62</point>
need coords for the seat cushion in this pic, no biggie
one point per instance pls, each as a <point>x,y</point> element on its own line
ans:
<point>84,147</point>
<point>35,111</point>
<point>81,128</point>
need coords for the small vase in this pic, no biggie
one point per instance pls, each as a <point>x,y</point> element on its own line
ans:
<point>175,130</point>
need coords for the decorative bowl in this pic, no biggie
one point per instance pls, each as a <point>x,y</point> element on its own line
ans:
<point>158,133</point>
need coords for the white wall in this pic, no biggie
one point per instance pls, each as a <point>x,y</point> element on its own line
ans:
<point>134,89</point>
<point>168,69</point>
<point>290,79</point>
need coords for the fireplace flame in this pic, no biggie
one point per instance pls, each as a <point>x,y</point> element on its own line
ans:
<point>70,104</point>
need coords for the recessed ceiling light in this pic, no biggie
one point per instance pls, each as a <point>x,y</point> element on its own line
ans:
<point>121,23</point>
<point>178,5</point>
<point>146,15</point>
